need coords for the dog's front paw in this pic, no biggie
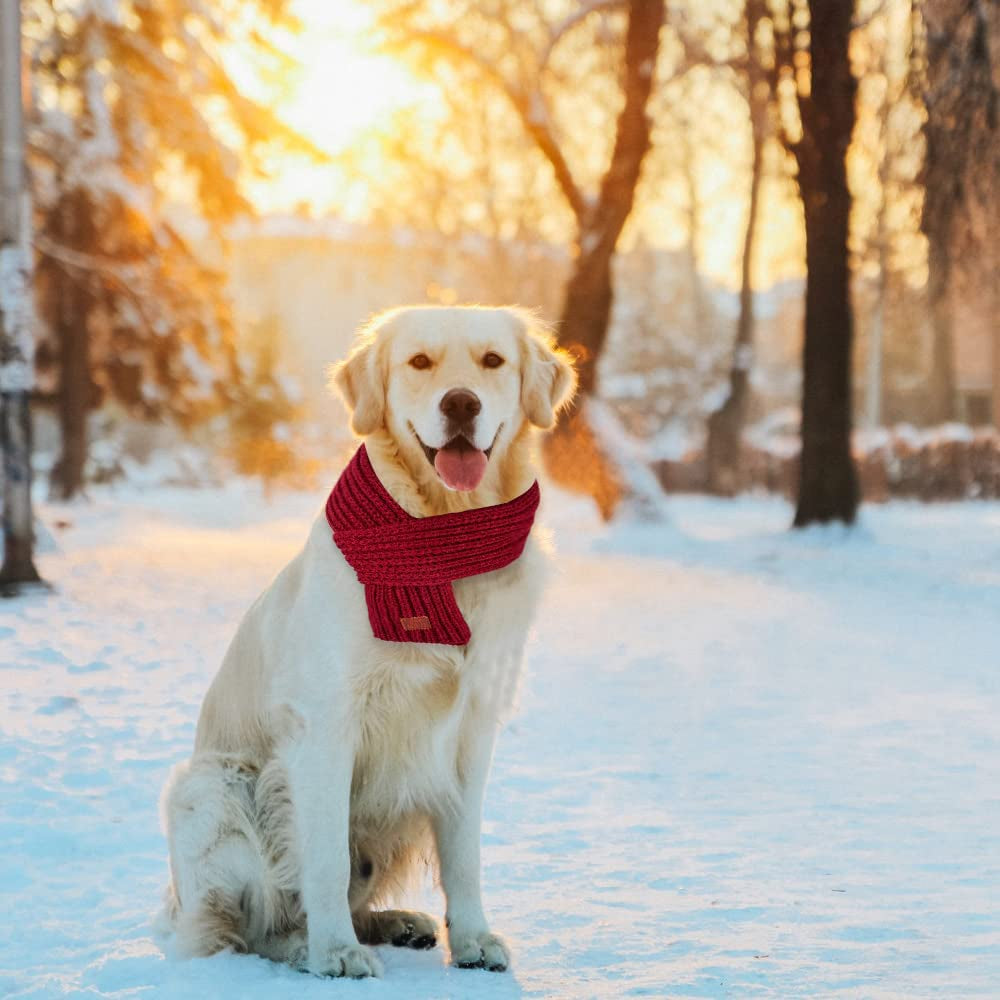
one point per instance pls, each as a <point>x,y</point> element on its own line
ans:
<point>352,961</point>
<point>478,951</point>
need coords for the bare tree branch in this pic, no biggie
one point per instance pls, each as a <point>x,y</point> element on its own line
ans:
<point>125,278</point>
<point>781,67</point>
<point>561,30</point>
<point>530,107</point>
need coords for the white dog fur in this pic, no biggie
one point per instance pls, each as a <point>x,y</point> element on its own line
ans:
<point>328,764</point>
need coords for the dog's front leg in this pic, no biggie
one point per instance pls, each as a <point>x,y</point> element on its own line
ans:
<point>458,833</point>
<point>320,768</point>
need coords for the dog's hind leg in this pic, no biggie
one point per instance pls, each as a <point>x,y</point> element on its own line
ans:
<point>402,928</point>
<point>218,873</point>
<point>291,948</point>
<point>215,922</point>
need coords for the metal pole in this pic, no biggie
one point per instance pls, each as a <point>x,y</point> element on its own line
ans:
<point>16,343</point>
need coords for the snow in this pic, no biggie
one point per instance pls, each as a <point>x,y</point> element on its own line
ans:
<point>672,442</point>
<point>645,500</point>
<point>778,432</point>
<point>747,762</point>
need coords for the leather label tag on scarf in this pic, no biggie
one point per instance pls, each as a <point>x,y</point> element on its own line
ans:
<point>417,624</point>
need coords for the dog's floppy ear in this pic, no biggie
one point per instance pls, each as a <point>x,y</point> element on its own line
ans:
<point>548,378</point>
<point>359,380</point>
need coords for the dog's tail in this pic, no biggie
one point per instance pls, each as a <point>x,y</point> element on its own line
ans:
<point>165,922</point>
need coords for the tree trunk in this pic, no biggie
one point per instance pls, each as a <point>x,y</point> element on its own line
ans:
<point>15,442</point>
<point>73,341</point>
<point>874,362</point>
<point>996,362</point>
<point>583,324</point>
<point>828,484</point>
<point>699,305</point>
<point>574,455</point>
<point>874,367</point>
<point>941,381</point>
<point>16,344</point>
<point>725,426</point>
<point>876,349</point>
<point>74,395</point>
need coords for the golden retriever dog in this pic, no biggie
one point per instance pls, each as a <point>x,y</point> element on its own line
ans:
<point>330,766</point>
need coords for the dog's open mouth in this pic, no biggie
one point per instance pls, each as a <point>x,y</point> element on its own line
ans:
<point>460,465</point>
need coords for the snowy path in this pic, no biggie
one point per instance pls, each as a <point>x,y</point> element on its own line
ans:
<point>746,763</point>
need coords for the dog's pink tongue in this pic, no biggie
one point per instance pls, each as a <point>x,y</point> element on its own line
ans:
<point>461,468</point>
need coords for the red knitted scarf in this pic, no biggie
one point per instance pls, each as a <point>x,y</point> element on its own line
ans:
<point>407,563</point>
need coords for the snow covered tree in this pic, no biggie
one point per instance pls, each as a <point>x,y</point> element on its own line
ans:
<point>889,256</point>
<point>137,127</point>
<point>586,311</point>
<point>725,425</point>
<point>961,63</point>
<point>16,341</point>
<point>664,361</point>
<point>264,410</point>
<point>556,68</point>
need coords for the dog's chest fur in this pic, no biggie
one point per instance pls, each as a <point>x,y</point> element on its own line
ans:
<point>417,702</point>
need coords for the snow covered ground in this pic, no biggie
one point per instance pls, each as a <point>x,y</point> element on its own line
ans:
<point>747,762</point>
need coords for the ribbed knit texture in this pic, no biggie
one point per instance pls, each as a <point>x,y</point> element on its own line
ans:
<point>407,563</point>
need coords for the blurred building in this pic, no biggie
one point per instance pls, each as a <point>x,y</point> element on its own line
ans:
<point>976,333</point>
<point>315,281</point>
<point>310,283</point>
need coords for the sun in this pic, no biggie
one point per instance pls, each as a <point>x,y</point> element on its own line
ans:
<point>344,85</point>
<point>340,89</point>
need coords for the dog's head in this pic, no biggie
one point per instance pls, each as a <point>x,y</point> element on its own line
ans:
<point>453,387</point>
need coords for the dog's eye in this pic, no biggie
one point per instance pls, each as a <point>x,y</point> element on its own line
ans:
<point>420,362</point>
<point>492,360</point>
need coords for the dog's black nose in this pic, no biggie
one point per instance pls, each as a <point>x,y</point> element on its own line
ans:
<point>460,405</point>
